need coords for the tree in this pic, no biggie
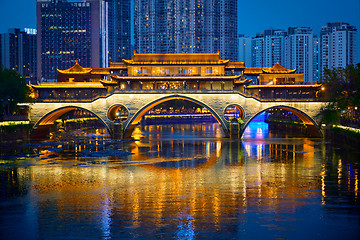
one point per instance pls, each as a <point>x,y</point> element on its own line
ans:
<point>342,86</point>
<point>13,90</point>
<point>342,90</point>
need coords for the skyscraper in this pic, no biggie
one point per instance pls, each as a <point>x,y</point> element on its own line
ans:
<point>337,45</point>
<point>116,26</point>
<point>67,31</point>
<point>299,51</point>
<point>269,48</point>
<point>177,26</point>
<point>316,59</point>
<point>18,51</point>
<point>245,50</point>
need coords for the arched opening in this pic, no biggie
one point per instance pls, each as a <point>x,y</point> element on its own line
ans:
<point>118,113</point>
<point>201,110</point>
<point>68,120</point>
<point>234,111</point>
<point>281,121</point>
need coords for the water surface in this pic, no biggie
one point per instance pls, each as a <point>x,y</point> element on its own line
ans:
<point>180,182</point>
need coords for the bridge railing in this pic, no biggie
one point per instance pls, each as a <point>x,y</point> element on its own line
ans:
<point>301,98</point>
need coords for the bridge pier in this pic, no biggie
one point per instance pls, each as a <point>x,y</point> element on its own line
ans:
<point>41,131</point>
<point>117,130</point>
<point>235,130</point>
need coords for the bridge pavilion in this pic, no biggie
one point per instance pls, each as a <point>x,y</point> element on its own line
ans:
<point>176,72</point>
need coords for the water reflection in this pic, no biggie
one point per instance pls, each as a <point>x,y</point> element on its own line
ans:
<point>181,184</point>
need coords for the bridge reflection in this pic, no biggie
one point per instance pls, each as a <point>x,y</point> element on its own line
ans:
<point>181,184</point>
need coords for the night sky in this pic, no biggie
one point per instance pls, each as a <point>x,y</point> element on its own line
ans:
<point>254,15</point>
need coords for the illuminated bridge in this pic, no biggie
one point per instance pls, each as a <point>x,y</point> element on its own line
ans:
<point>139,84</point>
<point>44,114</point>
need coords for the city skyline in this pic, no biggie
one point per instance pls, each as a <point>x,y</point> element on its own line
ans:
<point>252,18</point>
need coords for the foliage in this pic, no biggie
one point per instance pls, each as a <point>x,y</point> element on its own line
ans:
<point>355,134</point>
<point>13,90</point>
<point>342,86</point>
<point>330,115</point>
<point>342,90</point>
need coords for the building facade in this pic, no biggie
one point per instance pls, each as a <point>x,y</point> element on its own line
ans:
<point>94,32</point>
<point>316,59</point>
<point>299,51</point>
<point>245,50</point>
<point>116,26</point>
<point>179,26</point>
<point>67,31</point>
<point>268,48</point>
<point>337,45</point>
<point>18,51</point>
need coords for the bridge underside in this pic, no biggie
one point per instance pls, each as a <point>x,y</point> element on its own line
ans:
<point>43,114</point>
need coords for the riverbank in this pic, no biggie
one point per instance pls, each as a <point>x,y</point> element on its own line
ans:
<point>14,130</point>
<point>343,135</point>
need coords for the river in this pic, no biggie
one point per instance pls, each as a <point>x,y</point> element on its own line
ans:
<point>179,181</point>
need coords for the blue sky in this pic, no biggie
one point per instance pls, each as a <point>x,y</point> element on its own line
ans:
<point>254,15</point>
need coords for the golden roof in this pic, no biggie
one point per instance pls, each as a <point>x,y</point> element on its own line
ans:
<point>175,59</point>
<point>278,68</point>
<point>284,86</point>
<point>106,82</point>
<point>253,71</point>
<point>102,71</point>
<point>117,65</point>
<point>166,78</point>
<point>235,65</point>
<point>76,69</point>
<point>67,85</point>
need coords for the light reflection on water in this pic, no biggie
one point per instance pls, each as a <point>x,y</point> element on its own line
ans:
<point>181,182</point>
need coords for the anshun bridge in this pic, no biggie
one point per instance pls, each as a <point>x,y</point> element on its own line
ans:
<point>136,86</point>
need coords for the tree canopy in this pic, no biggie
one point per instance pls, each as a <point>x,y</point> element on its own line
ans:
<point>342,86</point>
<point>13,90</point>
<point>342,90</point>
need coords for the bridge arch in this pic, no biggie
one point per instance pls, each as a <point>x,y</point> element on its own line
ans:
<point>237,107</point>
<point>136,118</point>
<point>309,121</point>
<point>44,123</point>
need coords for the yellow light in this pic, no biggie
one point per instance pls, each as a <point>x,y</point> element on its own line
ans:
<point>322,88</point>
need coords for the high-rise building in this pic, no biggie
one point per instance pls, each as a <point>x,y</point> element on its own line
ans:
<point>18,51</point>
<point>268,48</point>
<point>116,25</point>
<point>299,51</point>
<point>92,32</point>
<point>67,31</point>
<point>316,59</point>
<point>258,50</point>
<point>245,50</point>
<point>179,26</point>
<point>337,45</point>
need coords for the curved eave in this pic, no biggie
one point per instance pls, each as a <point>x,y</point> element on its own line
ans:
<point>108,83</point>
<point>285,86</point>
<point>67,86</point>
<point>280,72</point>
<point>69,72</point>
<point>243,82</point>
<point>167,63</point>
<point>177,78</point>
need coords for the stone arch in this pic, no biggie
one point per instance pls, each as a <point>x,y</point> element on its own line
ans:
<point>135,119</point>
<point>113,109</point>
<point>241,109</point>
<point>44,123</point>
<point>309,121</point>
